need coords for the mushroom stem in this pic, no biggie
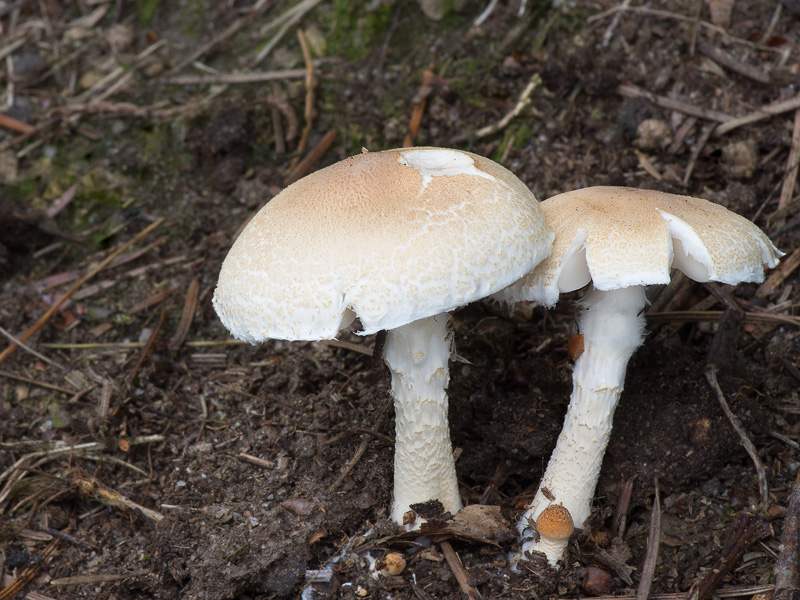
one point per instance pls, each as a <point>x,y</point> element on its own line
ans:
<point>417,355</point>
<point>612,324</point>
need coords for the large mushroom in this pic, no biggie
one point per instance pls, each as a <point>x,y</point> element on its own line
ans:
<point>621,240</point>
<point>396,239</point>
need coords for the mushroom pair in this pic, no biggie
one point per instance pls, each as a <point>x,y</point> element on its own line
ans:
<point>396,239</point>
<point>620,240</point>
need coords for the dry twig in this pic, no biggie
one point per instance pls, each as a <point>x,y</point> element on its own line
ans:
<point>420,100</point>
<point>775,280</point>
<point>787,566</point>
<point>111,497</point>
<point>150,341</point>
<point>365,438</point>
<point>15,125</point>
<point>457,567</point>
<point>787,190</point>
<point>628,90</point>
<point>290,18</point>
<point>747,531</point>
<point>651,558</point>
<point>734,591</point>
<point>29,572</point>
<point>312,158</point>
<point>765,112</point>
<point>236,78</point>
<point>187,316</point>
<point>726,60</point>
<point>761,473</point>
<point>524,100</point>
<point>52,310</point>
<point>308,112</point>
<point>98,578</point>
<point>621,509</point>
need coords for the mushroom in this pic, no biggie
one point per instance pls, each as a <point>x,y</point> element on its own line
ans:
<point>555,526</point>
<point>396,239</point>
<point>620,240</point>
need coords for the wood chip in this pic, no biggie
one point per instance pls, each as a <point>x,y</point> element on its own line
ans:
<point>99,578</point>
<point>775,280</point>
<point>189,306</point>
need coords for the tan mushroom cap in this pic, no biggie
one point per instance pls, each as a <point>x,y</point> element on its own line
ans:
<point>390,237</point>
<point>555,522</point>
<point>617,237</point>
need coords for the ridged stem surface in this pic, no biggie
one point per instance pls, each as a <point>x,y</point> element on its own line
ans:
<point>417,355</point>
<point>612,325</point>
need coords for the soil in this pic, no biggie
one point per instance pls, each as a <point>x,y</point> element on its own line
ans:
<point>144,454</point>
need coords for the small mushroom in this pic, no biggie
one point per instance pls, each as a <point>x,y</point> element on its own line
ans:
<point>621,240</point>
<point>392,564</point>
<point>555,526</point>
<point>653,134</point>
<point>396,239</point>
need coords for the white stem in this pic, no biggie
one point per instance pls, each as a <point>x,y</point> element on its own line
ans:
<point>612,325</point>
<point>417,355</point>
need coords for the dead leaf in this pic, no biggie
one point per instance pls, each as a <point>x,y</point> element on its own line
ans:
<point>721,12</point>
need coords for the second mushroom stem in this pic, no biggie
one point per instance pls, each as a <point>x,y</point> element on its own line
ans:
<point>612,325</point>
<point>417,355</point>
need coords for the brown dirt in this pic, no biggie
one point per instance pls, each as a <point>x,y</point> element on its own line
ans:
<point>233,527</point>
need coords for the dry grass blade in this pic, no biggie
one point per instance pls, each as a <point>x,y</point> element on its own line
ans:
<point>362,448</point>
<point>651,558</point>
<point>726,60</point>
<point>787,190</point>
<point>36,382</point>
<point>523,101</point>
<point>312,158</point>
<point>761,473</point>
<point>779,275</point>
<point>738,591</point>
<point>111,497</point>
<point>308,112</point>
<point>30,350</point>
<point>52,310</point>
<point>290,18</point>
<point>699,316</point>
<point>151,340</point>
<point>787,566</point>
<point>29,572</point>
<point>236,78</point>
<point>266,464</point>
<point>14,125</point>
<point>98,578</point>
<point>49,450</point>
<point>619,519</point>
<point>765,112</point>
<point>746,531</point>
<point>107,81</point>
<point>420,100</point>
<point>628,90</point>
<point>189,306</point>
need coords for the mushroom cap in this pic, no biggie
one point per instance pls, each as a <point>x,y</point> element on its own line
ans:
<point>555,522</point>
<point>390,237</point>
<point>617,237</point>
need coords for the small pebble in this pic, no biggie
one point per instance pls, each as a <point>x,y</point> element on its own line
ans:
<point>598,582</point>
<point>740,159</point>
<point>653,134</point>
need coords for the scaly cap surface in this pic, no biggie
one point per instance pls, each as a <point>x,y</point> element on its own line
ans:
<point>555,522</point>
<point>617,237</point>
<point>392,236</point>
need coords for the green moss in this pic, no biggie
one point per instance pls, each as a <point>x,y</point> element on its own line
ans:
<point>58,415</point>
<point>146,10</point>
<point>354,31</point>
